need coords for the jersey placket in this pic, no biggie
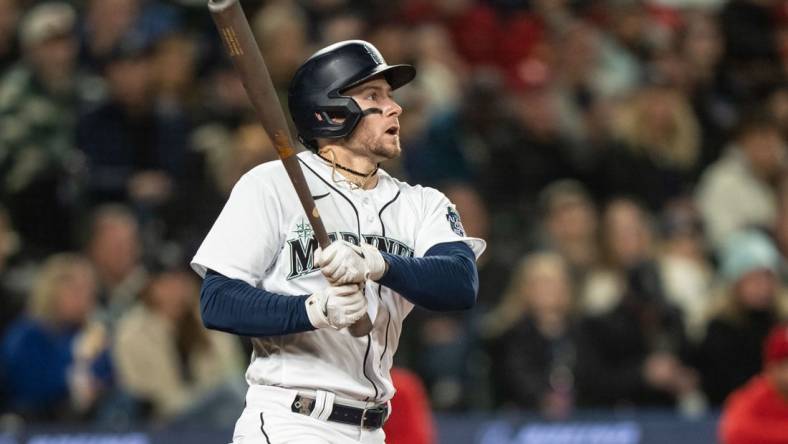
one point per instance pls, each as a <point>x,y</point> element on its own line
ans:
<point>369,216</point>
<point>371,225</point>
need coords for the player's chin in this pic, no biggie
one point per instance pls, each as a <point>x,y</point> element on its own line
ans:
<point>388,149</point>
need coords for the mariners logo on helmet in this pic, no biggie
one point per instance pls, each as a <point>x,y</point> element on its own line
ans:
<point>316,97</point>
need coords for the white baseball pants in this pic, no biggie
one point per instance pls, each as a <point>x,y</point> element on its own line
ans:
<point>268,419</point>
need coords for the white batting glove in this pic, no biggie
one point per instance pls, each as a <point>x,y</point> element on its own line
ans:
<point>336,307</point>
<point>343,263</point>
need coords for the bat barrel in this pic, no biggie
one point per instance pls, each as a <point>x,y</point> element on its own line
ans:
<point>241,46</point>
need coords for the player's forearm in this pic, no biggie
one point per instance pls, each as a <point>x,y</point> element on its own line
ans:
<point>233,306</point>
<point>445,279</point>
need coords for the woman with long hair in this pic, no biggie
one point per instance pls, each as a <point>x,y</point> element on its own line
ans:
<point>163,335</point>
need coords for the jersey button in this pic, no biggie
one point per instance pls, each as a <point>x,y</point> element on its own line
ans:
<point>370,218</point>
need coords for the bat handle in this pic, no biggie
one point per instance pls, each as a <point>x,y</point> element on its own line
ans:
<point>362,327</point>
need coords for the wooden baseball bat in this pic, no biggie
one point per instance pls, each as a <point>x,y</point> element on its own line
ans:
<point>242,48</point>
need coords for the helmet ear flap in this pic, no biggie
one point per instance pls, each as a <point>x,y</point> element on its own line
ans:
<point>334,120</point>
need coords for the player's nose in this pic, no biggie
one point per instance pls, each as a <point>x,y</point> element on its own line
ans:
<point>393,109</point>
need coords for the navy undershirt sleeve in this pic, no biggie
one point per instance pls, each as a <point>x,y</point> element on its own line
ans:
<point>445,279</point>
<point>233,306</point>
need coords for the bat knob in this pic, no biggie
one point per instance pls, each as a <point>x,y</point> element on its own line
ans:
<point>219,5</point>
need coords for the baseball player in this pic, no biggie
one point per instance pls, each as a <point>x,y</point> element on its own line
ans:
<point>393,246</point>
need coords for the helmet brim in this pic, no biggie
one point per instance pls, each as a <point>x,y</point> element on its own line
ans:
<point>396,76</point>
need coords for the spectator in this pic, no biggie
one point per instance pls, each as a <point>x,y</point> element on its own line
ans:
<point>739,190</point>
<point>227,151</point>
<point>441,71</point>
<point>13,301</point>
<point>752,303</point>
<point>175,71</point>
<point>341,25</point>
<point>627,242</point>
<point>243,149</point>
<point>758,412</point>
<point>134,153</point>
<point>543,152</point>
<point>537,347</point>
<point>657,147</point>
<point>55,360</point>
<point>224,100</point>
<point>580,74</point>
<point>9,16</point>
<point>631,345</point>
<point>701,49</point>
<point>115,250</point>
<point>38,160</point>
<point>281,32</point>
<point>172,219</point>
<point>444,345</point>
<point>751,64</point>
<point>109,22</point>
<point>570,226</point>
<point>106,22</point>
<point>163,336</point>
<point>411,419</point>
<point>619,70</point>
<point>684,266</point>
<point>444,157</point>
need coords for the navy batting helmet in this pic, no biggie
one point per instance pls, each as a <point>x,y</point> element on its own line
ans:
<point>316,92</point>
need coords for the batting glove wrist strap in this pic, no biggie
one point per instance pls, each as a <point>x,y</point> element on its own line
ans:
<point>336,307</point>
<point>375,264</point>
<point>316,310</point>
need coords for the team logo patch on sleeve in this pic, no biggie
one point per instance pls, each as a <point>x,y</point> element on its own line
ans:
<point>454,220</point>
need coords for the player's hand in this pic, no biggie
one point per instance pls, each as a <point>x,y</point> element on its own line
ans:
<point>336,306</point>
<point>342,263</point>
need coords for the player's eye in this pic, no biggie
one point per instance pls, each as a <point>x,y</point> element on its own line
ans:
<point>372,96</point>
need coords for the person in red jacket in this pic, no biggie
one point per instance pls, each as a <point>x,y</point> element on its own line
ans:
<point>411,420</point>
<point>757,413</point>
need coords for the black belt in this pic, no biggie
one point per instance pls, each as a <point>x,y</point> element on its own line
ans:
<point>365,418</point>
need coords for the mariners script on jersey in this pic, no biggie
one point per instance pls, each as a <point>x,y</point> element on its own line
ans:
<point>263,238</point>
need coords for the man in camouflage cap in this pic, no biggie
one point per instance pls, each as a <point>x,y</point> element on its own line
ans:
<point>38,106</point>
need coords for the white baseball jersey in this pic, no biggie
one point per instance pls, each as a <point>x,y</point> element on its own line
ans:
<point>263,238</point>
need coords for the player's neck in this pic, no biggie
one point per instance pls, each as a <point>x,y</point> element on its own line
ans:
<point>358,170</point>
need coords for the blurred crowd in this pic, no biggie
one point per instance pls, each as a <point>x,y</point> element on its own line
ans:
<point>625,159</point>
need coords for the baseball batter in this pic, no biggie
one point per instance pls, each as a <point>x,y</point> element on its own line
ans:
<point>394,246</point>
